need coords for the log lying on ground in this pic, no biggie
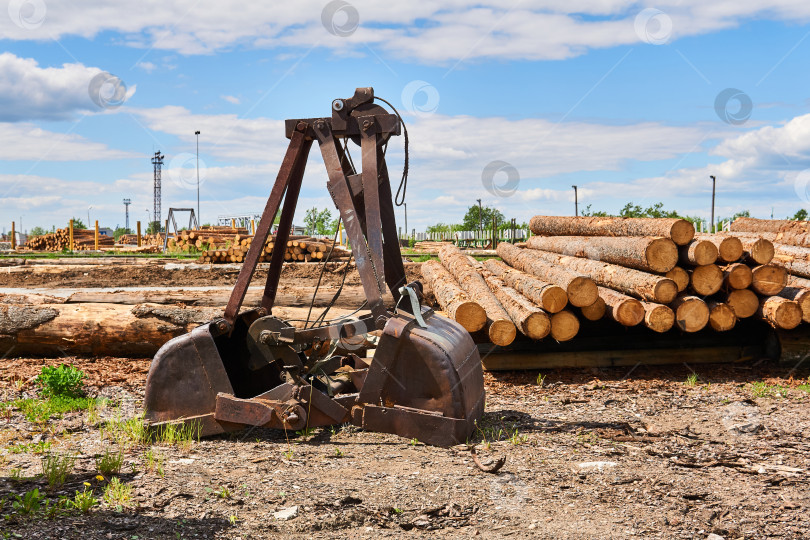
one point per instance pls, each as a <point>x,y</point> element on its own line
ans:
<point>680,277</point>
<point>795,267</point>
<point>768,279</point>
<point>595,311</point>
<point>737,276</point>
<point>801,296</point>
<point>744,302</point>
<point>552,298</point>
<point>691,313</point>
<point>627,280</point>
<point>755,248</point>
<point>706,280</point>
<point>452,298</point>
<point>651,254</point>
<point>754,225</point>
<point>698,253</point>
<point>581,289</point>
<point>721,316</point>
<point>791,238</point>
<point>501,329</point>
<point>532,321</point>
<point>564,325</point>
<point>621,308</point>
<point>729,248</point>
<point>780,312</point>
<point>658,317</point>
<point>679,231</point>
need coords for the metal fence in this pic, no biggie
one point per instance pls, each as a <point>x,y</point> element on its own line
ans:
<point>472,236</point>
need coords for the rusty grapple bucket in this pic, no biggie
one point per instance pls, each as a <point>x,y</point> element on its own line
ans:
<point>424,381</point>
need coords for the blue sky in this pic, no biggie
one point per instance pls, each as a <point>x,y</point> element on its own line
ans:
<point>617,97</point>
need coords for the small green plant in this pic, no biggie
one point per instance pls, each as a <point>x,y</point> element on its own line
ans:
<point>338,453</point>
<point>306,433</point>
<point>15,474</point>
<point>117,494</point>
<point>517,439</point>
<point>541,379</point>
<point>761,389</point>
<point>56,468</point>
<point>83,501</point>
<point>232,520</point>
<point>396,510</point>
<point>414,442</point>
<point>63,381</point>
<point>109,462</point>
<point>37,448</point>
<point>223,492</point>
<point>31,502</point>
<point>181,435</point>
<point>805,387</point>
<point>40,411</point>
<point>692,379</point>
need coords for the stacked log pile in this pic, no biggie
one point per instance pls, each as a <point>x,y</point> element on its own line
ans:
<point>297,249</point>
<point>652,272</point>
<point>83,239</point>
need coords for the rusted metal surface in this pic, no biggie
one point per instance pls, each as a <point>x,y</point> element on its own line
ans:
<point>250,369</point>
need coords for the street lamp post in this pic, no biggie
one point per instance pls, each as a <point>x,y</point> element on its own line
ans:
<point>714,181</point>
<point>406,218</point>
<point>576,202</point>
<point>480,219</point>
<point>197,133</point>
<point>88,215</point>
<point>149,217</point>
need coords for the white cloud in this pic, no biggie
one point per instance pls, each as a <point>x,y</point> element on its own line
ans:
<point>28,142</point>
<point>148,67</point>
<point>231,99</point>
<point>431,31</point>
<point>28,91</point>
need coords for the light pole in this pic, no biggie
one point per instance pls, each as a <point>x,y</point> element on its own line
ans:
<point>480,218</point>
<point>406,218</point>
<point>88,215</point>
<point>149,218</point>
<point>197,133</point>
<point>576,202</point>
<point>714,181</point>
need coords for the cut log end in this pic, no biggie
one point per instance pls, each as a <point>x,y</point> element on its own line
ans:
<point>781,312</point>
<point>629,312</point>
<point>658,318</point>
<point>730,249</point>
<point>471,316</point>
<point>680,277</point>
<point>691,313</point>
<point>706,280</point>
<point>761,251</point>
<point>554,299</point>
<point>768,280</point>
<point>744,303</point>
<point>682,232</point>
<point>582,291</point>
<point>665,291</point>
<point>595,311</point>
<point>661,254</point>
<point>564,326</point>
<point>737,276</point>
<point>721,317</point>
<point>502,332</point>
<point>537,326</point>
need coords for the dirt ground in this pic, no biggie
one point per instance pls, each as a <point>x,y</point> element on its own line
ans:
<point>599,453</point>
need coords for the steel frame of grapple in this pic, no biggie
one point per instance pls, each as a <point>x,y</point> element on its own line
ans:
<point>392,398</point>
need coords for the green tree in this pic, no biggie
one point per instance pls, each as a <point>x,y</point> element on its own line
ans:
<point>800,215</point>
<point>78,223</point>
<point>120,231</point>
<point>37,231</point>
<point>473,218</point>
<point>593,213</point>
<point>318,221</point>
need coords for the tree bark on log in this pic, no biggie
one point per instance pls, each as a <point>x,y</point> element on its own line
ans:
<point>501,329</point>
<point>581,289</point>
<point>621,308</point>
<point>756,248</point>
<point>780,312</point>
<point>679,231</point>
<point>532,321</point>
<point>627,280</point>
<point>452,298</point>
<point>768,279</point>
<point>552,298</point>
<point>658,317</point>
<point>737,276</point>
<point>801,296</point>
<point>744,302</point>
<point>795,267</point>
<point>754,225</point>
<point>691,313</point>
<point>680,277</point>
<point>650,254</point>
<point>706,280</point>
<point>595,311</point>
<point>729,248</point>
<point>721,316</point>
<point>564,325</point>
<point>698,253</point>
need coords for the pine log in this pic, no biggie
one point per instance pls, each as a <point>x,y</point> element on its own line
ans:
<point>706,280</point>
<point>658,317</point>
<point>532,321</point>
<point>780,312</point>
<point>698,253</point>
<point>744,302</point>
<point>621,308</point>
<point>651,254</point>
<point>729,248</point>
<point>679,231</point>
<point>754,225</point>
<point>756,249</point>
<point>501,329</point>
<point>452,298</point>
<point>768,279</point>
<point>595,311</point>
<point>691,313</point>
<point>791,238</point>
<point>627,280</point>
<point>552,298</point>
<point>680,277</point>
<point>581,289</point>
<point>801,296</point>
<point>737,276</point>
<point>564,325</point>
<point>721,316</point>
